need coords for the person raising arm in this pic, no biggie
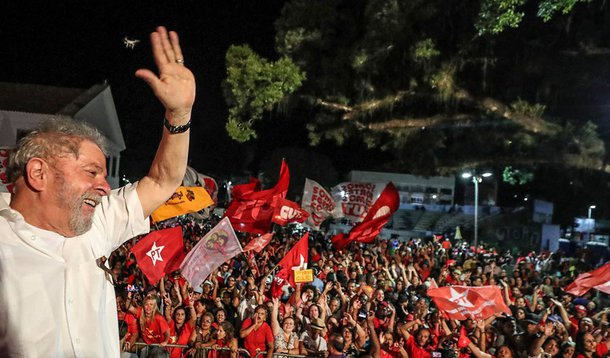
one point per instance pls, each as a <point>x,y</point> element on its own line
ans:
<point>62,219</point>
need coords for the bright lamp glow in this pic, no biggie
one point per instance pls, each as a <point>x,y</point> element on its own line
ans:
<point>486,175</point>
<point>466,175</point>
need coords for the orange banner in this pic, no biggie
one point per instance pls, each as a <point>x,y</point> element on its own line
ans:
<point>185,200</point>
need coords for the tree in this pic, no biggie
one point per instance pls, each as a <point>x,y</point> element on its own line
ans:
<point>255,85</point>
<point>441,85</point>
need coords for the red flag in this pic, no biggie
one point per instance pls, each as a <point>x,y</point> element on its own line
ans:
<point>251,209</point>
<point>461,302</point>
<point>210,186</point>
<point>242,190</point>
<point>218,246</point>
<point>258,243</point>
<point>598,279</point>
<point>296,259</point>
<point>463,341</point>
<point>159,252</point>
<point>279,280</point>
<point>378,215</point>
<point>4,184</point>
<point>252,263</point>
<point>286,211</point>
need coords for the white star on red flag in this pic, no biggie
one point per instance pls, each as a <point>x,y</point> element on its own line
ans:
<point>155,253</point>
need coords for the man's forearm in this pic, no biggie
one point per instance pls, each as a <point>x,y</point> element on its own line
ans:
<point>166,172</point>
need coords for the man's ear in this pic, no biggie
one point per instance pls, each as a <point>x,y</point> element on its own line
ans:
<point>37,173</point>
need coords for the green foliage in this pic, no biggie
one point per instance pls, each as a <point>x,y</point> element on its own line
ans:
<point>425,50</point>
<point>517,176</point>
<point>237,130</point>
<point>303,24</point>
<point>444,82</point>
<point>530,110</point>
<point>548,8</point>
<point>255,85</point>
<point>497,15</point>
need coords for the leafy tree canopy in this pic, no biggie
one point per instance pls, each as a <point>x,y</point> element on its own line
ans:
<point>440,85</point>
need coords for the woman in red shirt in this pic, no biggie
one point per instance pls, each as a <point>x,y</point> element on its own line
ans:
<point>152,326</point>
<point>181,326</point>
<point>224,338</point>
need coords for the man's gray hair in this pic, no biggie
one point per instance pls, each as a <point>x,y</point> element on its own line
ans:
<point>53,138</point>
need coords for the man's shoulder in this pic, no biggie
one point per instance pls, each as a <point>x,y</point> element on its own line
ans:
<point>7,234</point>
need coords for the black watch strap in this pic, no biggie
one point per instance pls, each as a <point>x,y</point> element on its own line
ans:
<point>176,129</point>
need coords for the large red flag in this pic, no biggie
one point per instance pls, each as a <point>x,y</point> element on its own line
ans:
<point>598,279</point>
<point>159,252</point>
<point>242,190</point>
<point>251,209</point>
<point>218,246</point>
<point>286,211</point>
<point>296,259</point>
<point>378,215</point>
<point>461,302</point>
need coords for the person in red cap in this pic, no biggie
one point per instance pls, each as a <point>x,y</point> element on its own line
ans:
<point>580,312</point>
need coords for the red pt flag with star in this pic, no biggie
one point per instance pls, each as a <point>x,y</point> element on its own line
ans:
<point>296,259</point>
<point>159,253</point>
<point>218,246</point>
<point>258,243</point>
<point>461,302</point>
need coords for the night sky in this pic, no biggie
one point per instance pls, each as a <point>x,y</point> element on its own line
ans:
<point>79,44</point>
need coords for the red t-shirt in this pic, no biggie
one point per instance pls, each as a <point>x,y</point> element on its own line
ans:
<point>601,349</point>
<point>132,324</point>
<point>257,340</point>
<point>414,350</point>
<point>182,338</point>
<point>154,332</point>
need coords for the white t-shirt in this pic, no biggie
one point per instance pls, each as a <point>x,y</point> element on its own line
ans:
<point>59,302</point>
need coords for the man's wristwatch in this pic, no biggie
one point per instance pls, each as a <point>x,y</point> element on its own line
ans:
<point>176,129</point>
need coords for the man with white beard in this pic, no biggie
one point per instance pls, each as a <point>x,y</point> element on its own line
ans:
<point>63,218</point>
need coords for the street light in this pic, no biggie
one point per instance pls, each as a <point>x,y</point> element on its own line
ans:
<point>591,207</point>
<point>476,179</point>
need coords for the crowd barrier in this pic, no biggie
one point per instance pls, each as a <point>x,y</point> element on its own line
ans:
<point>199,352</point>
<point>279,355</point>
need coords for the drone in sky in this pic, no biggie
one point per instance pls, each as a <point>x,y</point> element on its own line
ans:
<point>130,43</point>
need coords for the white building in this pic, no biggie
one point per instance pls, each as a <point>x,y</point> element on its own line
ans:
<point>411,188</point>
<point>23,106</point>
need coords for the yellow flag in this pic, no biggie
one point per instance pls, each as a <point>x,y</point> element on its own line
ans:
<point>186,199</point>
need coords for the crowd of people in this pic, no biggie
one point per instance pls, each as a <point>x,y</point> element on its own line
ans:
<point>62,221</point>
<point>368,300</point>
